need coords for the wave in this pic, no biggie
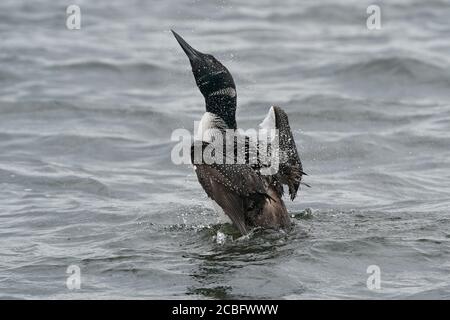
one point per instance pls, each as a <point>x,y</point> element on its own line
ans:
<point>397,67</point>
<point>331,12</point>
<point>106,65</point>
<point>6,76</point>
<point>65,106</point>
<point>39,182</point>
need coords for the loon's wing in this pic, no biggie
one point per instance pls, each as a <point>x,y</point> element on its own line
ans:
<point>236,188</point>
<point>290,169</point>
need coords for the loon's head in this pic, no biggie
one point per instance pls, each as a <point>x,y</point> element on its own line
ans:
<point>214,81</point>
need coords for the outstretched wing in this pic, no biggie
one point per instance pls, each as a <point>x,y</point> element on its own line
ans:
<point>236,188</point>
<point>290,169</point>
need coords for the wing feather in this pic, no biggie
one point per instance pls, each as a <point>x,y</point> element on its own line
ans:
<point>290,169</point>
<point>236,188</point>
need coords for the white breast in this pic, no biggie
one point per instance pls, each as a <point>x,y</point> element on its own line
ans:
<point>208,122</point>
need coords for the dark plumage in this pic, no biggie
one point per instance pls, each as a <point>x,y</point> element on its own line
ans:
<point>248,197</point>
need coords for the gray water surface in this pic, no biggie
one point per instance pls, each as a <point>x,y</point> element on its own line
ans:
<point>86,177</point>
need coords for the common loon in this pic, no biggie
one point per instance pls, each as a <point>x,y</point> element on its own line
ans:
<point>249,198</point>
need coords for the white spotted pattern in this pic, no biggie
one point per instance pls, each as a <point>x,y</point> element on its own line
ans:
<point>224,92</point>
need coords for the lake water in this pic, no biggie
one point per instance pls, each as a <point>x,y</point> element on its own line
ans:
<point>86,177</point>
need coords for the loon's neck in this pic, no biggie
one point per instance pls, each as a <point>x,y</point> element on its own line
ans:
<point>224,106</point>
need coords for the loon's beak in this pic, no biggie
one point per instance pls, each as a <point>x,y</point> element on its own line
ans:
<point>190,52</point>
